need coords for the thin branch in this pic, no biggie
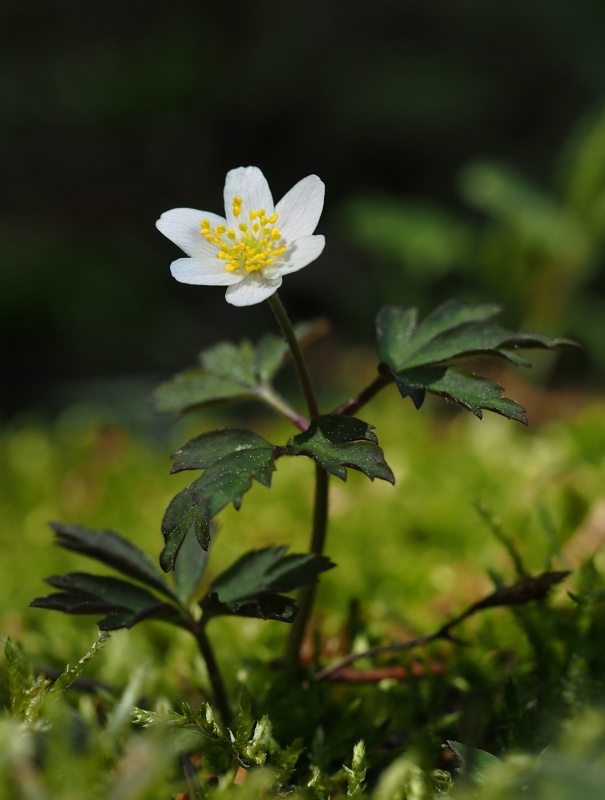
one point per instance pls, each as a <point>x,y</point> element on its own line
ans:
<point>267,395</point>
<point>355,403</point>
<point>522,592</point>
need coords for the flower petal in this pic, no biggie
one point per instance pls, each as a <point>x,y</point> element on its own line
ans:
<point>255,288</point>
<point>300,209</point>
<point>250,184</point>
<point>182,226</point>
<point>203,272</point>
<point>301,252</point>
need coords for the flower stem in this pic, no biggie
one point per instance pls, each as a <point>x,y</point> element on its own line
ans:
<point>219,695</point>
<point>306,595</point>
<point>281,315</point>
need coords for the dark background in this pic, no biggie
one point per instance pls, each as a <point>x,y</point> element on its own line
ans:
<point>114,112</point>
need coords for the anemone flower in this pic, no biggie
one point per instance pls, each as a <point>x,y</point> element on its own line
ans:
<point>255,244</point>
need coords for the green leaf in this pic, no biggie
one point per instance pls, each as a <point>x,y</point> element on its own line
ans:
<point>336,442</point>
<point>252,586</point>
<point>229,372</point>
<point>17,677</point>
<point>420,356</point>
<point>233,361</point>
<point>266,606</point>
<point>195,388</point>
<point>476,763</point>
<point>204,450</point>
<point>232,459</point>
<point>190,565</point>
<point>125,603</point>
<point>468,390</point>
<point>114,550</point>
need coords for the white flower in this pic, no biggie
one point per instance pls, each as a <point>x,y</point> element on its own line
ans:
<point>255,244</point>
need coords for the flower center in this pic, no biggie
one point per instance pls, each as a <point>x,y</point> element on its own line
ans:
<point>253,246</point>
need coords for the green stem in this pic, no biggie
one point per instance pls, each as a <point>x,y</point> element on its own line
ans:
<point>306,596</point>
<point>281,315</point>
<point>354,404</point>
<point>219,694</point>
<point>271,398</point>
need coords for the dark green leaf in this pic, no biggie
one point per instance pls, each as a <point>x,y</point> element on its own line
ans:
<point>99,594</point>
<point>475,763</point>
<point>266,606</point>
<point>420,356</point>
<point>71,603</point>
<point>162,612</point>
<point>252,585</point>
<point>183,514</point>
<point>337,442</point>
<point>224,481</point>
<point>468,390</point>
<point>204,450</point>
<point>109,590</point>
<point>114,550</point>
<point>190,565</point>
<point>268,570</point>
<point>400,335</point>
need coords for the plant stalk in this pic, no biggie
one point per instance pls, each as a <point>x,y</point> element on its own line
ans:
<point>354,404</point>
<point>271,398</point>
<point>281,315</point>
<point>219,695</point>
<point>306,595</point>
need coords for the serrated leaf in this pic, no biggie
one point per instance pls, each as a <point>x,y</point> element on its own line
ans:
<point>337,442</point>
<point>105,588</point>
<point>114,550</point>
<point>195,388</point>
<point>252,586</point>
<point>233,361</point>
<point>270,354</point>
<point>420,356</point>
<point>271,569</point>
<point>123,602</point>
<point>225,480</point>
<point>229,372</point>
<point>267,606</point>
<point>204,450</point>
<point>471,391</point>
<point>190,565</point>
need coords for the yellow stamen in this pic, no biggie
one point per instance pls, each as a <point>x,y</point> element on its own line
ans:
<point>246,248</point>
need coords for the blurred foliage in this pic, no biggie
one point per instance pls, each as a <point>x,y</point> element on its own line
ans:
<point>540,252</point>
<point>524,691</point>
<point>111,117</point>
